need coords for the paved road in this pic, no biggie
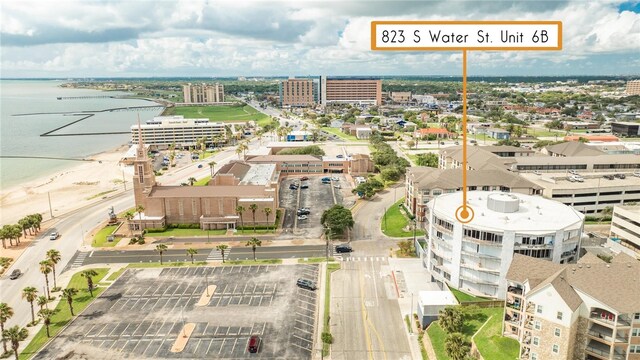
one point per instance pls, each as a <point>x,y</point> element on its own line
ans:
<point>235,253</point>
<point>71,226</point>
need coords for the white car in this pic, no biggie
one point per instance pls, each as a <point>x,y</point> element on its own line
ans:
<point>576,178</point>
<point>303,217</point>
<point>54,235</point>
<point>636,173</point>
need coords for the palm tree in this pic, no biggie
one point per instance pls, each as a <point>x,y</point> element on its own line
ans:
<point>45,269</point>
<point>160,248</point>
<point>139,210</point>
<point>6,312</point>
<point>54,257</point>
<point>46,315</point>
<point>68,294</point>
<point>238,151</point>
<point>212,165</point>
<point>239,210</point>
<point>456,346</point>
<point>191,180</point>
<point>253,208</point>
<point>129,216</point>
<point>254,242</point>
<point>267,212</point>
<point>191,252</point>
<point>15,335</point>
<point>30,294</point>
<point>42,301</point>
<point>451,319</point>
<point>89,274</point>
<point>222,248</point>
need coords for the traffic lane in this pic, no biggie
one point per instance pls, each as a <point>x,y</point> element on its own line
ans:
<point>237,253</point>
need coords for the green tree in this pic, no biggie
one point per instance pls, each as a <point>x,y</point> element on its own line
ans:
<point>129,216</point>
<point>222,248</point>
<point>42,301</point>
<point>457,346</point>
<point>191,180</point>
<point>6,312</point>
<point>15,335</point>
<point>253,208</point>
<point>161,248</point>
<point>30,294</point>
<point>390,174</point>
<point>54,258</point>
<point>45,269</point>
<point>139,210</point>
<point>192,252</point>
<point>68,295</point>
<point>89,274</point>
<point>46,315</point>
<point>254,243</point>
<point>411,144</point>
<point>240,210</point>
<point>267,212</point>
<point>451,319</point>
<point>337,219</point>
<point>428,159</point>
<point>212,166</point>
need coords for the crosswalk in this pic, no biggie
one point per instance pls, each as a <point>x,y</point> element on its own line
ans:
<point>360,258</point>
<point>79,260</point>
<point>215,255</point>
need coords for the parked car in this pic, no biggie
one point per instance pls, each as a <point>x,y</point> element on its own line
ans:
<point>620,176</point>
<point>573,172</point>
<point>576,178</point>
<point>304,186</point>
<point>306,284</point>
<point>303,212</point>
<point>293,187</point>
<point>609,177</point>
<point>333,178</point>
<point>304,178</point>
<point>15,274</point>
<point>302,217</point>
<point>305,209</point>
<point>199,166</point>
<point>343,248</point>
<point>326,179</point>
<point>337,186</point>
<point>537,172</point>
<point>636,173</point>
<point>254,344</point>
<point>54,235</point>
<point>340,156</point>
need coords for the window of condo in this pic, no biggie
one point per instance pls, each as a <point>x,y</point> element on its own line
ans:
<point>537,325</point>
<point>556,332</point>
<point>634,349</point>
<point>555,349</point>
<point>635,332</point>
<point>539,309</point>
<point>534,356</point>
<point>536,341</point>
<point>636,316</point>
<point>559,315</point>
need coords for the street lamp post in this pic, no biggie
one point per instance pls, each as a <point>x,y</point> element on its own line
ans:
<point>326,238</point>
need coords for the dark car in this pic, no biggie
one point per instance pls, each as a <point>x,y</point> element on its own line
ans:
<point>254,344</point>
<point>303,212</point>
<point>609,177</point>
<point>293,187</point>
<point>304,186</point>
<point>199,166</point>
<point>343,249</point>
<point>15,274</point>
<point>620,176</point>
<point>306,284</point>
<point>304,178</point>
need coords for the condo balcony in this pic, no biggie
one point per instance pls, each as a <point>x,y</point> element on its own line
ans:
<point>601,351</point>
<point>608,318</point>
<point>605,334</point>
<point>515,304</point>
<point>442,228</point>
<point>479,266</point>
<point>481,242</point>
<point>515,290</point>
<point>481,255</point>
<point>520,246</point>
<point>443,242</point>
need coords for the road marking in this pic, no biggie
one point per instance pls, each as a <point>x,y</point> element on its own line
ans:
<point>91,254</point>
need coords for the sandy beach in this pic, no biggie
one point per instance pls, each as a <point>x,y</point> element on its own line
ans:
<point>69,189</point>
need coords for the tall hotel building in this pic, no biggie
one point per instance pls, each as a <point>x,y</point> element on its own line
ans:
<point>633,87</point>
<point>364,91</point>
<point>203,93</point>
<point>298,92</point>
<point>475,256</point>
<point>163,131</point>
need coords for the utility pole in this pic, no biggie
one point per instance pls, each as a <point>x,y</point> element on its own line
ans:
<point>50,209</point>
<point>124,181</point>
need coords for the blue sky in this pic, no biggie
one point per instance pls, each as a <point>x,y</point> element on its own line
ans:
<point>261,38</point>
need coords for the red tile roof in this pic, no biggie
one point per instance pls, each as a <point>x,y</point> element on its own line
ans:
<point>606,138</point>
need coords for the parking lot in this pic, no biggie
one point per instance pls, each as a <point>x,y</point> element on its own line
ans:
<point>318,198</point>
<point>142,314</point>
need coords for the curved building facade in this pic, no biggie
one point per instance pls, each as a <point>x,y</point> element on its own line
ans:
<point>475,256</point>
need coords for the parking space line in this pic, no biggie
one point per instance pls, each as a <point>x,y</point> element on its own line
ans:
<point>235,341</point>
<point>302,330</point>
<point>297,313</point>
<point>209,347</point>
<point>221,346</point>
<point>303,348</point>
<point>205,328</point>
<point>145,303</point>
<point>195,351</point>
<point>159,347</point>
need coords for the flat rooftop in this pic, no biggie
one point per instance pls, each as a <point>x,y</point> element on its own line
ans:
<point>534,214</point>
<point>559,180</point>
<point>259,174</point>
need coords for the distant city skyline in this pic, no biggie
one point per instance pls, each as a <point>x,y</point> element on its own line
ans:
<point>265,38</point>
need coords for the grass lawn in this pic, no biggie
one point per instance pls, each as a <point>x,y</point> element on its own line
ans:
<point>314,260</point>
<point>202,182</point>
<point>224,113</point>
<point>340,134</point>
<point>491,344</point>
<point>59,320</point>
<point>100,239</point>
<point>187,232</point>
<point>394,221</point>
<point>545,132</point>
<point>114,276</point>
<point>437,337</point>
<point>327,303</point>
<point>464,297</point>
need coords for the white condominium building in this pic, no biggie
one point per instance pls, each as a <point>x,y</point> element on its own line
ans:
<point>163,131</point>
<point>475,256</point>
<point>203,93</point>
<point>625,226</point>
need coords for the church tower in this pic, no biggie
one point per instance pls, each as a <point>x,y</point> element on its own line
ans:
<point>144,179</point>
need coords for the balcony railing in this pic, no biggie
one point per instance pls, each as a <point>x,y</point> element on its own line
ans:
<point>531,246</point>
<point>443,242</point>
<point>479,267</point>
<point>608,318</point>
<point>442,228</point>
<point>514,305</point>
<point>480,255</point>
<point>515,290</point>
<point>441,253</point>
<point>479,280</point>
<point>482,242</point>
<point>596,351</point>
<point>605,335</point>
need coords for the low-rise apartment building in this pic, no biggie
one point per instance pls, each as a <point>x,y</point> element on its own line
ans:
<point>482,157</point>
<point>626,129</point>
<point>423,183</point>
<point>625,226</point>
<point>358,164</point>
<point>589,310</point>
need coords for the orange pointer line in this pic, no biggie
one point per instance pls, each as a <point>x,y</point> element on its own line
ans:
<point>465,212</point>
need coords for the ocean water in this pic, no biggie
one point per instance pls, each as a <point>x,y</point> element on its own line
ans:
<point>20,135</point>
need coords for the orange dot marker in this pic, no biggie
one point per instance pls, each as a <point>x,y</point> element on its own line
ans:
<point>464,214</point>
